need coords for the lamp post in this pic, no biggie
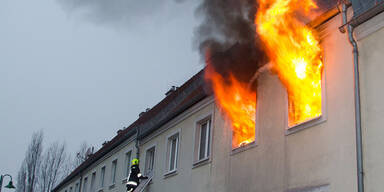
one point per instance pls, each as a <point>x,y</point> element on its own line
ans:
<point>10,184</point>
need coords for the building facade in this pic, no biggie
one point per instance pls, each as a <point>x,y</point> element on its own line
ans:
<point>186,142</point>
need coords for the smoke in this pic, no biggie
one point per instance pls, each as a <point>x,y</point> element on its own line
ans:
<point>126,13</point>
<point>229,34</point>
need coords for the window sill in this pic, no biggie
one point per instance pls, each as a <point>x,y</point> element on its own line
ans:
<point>243,148</point>
<point>111,186</point>
<point>201,162</point>
<point>170,173</point>
<point>305,125</point>
<point>100,190</point>
<point>124,181</point>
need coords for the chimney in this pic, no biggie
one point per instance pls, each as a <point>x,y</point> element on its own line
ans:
<point>173,89</point>
<point>142,113</point>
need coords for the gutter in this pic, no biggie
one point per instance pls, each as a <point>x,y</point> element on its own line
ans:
<point>359,144</point>
<point>365,16</point>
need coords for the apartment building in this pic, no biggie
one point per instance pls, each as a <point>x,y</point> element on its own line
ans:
<point>186,142</point>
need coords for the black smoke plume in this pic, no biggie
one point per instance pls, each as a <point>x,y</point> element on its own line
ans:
<point>228,32</point>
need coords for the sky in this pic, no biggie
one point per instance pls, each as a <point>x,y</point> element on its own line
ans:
<point>80,69</point>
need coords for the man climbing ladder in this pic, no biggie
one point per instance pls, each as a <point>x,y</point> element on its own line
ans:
<point>134,176</point>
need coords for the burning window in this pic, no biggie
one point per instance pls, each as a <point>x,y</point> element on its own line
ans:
<point>295,53</point>
<point>238,104</point>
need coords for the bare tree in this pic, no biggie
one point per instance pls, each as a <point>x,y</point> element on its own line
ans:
<point>21,179</point>
<point>29,169</point>
<point>41,172</point>
<point>81,155</point>
<point>51,169</point>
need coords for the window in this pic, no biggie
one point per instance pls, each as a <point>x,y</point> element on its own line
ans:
<point>149,160</point>
<point>77,187</point>
<point>113,173</point>
<point>203,140</point>
<point>70,189</point>
<point>85,185</point>
<point>172,152</point>
<point>102,175</point>
<point>128,156</point>
<point>306,105</point>
<point>93,178</point>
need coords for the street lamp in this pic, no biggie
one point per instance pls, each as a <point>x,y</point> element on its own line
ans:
<point>10,184</point>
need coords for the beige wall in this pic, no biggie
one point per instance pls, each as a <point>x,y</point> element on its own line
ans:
<point>321,153</point>
<point>371,48</point>
<point>187,178</point>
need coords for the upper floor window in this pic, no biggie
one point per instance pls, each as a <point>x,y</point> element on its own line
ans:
<point>93,178</point>
<point>149,160</point>
<point>305,103</point>
<point>128,157</point>
<point>70,189</point>
<point>77,187</point>
<point>85,185</point>
<point>172,152</point>
<point>102,175</point>
<point>202,140</point>
<point>113,173</point>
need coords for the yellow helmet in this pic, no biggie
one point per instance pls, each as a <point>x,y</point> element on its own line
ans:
<point>135,161</point>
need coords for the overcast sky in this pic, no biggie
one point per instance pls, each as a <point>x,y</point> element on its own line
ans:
<point>82,71</point>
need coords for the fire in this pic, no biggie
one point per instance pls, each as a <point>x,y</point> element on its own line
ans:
<point>295,54</point>
<point>238,104</point>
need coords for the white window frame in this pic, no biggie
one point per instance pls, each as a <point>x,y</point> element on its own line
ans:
<point>93,181</point>
<point>173,135</point>
<point>127,162</point>
<point>209,135</point>
<point>102,177</point>
<point>146,159</point>
<point>207,139</point>
<point>76,187</point>
<point>310,122</point>
<point>85,184</point>
<point>113,172</point>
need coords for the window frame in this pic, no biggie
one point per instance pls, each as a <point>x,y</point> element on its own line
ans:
<point>127,164</point>
<point>146,159</point>
<point>170,137</point>
<point>197,161</point>
<point>77,187</point>
<point>113,172</point>
<point>93,181</point>
<point>207,140</point>
<point>103,169</point>
<point>85,184</point>
<point>254,143</point>
<point>310,122</point>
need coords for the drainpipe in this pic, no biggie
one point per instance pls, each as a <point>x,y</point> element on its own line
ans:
<point>137,143</point>
<point>359,144</point>
<point>80,183</point>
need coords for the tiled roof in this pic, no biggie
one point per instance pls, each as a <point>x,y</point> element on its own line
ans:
<point>172,105</point>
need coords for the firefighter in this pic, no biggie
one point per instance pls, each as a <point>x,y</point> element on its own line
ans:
<point>134,176</point>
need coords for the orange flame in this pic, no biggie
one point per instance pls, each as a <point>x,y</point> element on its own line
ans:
<point>238,104</point>
<point>295,54</point>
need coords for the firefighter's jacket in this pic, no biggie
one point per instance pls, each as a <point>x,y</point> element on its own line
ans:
<point>135,175</point>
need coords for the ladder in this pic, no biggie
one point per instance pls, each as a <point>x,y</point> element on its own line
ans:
<point>144,183</point>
